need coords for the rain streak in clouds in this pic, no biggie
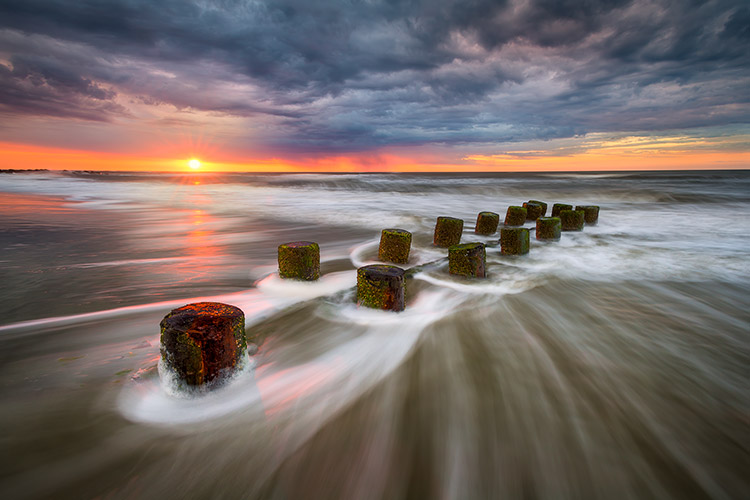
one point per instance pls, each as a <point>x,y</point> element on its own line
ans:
<point>340,76</point>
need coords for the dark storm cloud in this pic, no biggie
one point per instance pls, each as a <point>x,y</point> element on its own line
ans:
<point>337,75</point>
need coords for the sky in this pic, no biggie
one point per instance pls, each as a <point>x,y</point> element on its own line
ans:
<point>333,85</point>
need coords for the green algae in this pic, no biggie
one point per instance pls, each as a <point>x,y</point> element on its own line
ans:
<point>299,260</point>
<point>572,220</point>
<point>543,204</point>
<point>448,231</point>
<point>590,214</point>
<point>487,223</point>
<point>559,207</point>
<point>468,259</point>
<point>533,210</point>
<point>515,216</point>
<point>183,355</point>
<point>548,228</point>
<point>381,287</point>
<point>514,240</point>
<point>395,245</point>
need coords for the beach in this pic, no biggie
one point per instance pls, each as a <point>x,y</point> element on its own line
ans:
<point>612,363</point>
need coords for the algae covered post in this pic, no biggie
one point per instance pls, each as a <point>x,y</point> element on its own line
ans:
<point>542,204</point>
<point>299,260</point>
<point>514,240</point>
<point>590,213</point>
<point>515,216</point>
<point>448,231</point>
<point>395,245</point>
<point>202,341</point>
<point>548,228</point>
<point>381,287</point>
<point>572,220</point>
<point>467,259</point>
<point>487,223</point>
<point>533,210</point>
<point>559,207</point>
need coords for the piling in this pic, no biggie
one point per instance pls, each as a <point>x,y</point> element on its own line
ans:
<point>548,228</point>
<point>202,341</point>
<point>559,207</point>
<point>468,259</point>
<point>381,287</point>
<point>395,245</point>
<point>572,220</point>
<point>299,260</point>
<point>487,223</point>
<point>543,204</point>
<point>590,213</point>
<point>515,216</point>
<point>448,231</point>
<point>514,240</point>
<point>533,210</point>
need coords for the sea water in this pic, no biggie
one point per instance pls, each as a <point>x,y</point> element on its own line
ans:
<point>613,363</point>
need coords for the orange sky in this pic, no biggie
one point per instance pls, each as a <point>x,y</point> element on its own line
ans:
<point>613,155</point>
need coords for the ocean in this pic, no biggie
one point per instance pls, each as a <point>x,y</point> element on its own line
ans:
<point>613,363</point>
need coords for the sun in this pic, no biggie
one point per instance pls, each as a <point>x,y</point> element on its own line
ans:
<point>195,164</point>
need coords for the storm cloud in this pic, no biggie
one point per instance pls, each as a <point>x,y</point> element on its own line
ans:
<point>352,76</point>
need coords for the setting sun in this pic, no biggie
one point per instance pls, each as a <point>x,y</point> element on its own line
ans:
<point>194,163</point>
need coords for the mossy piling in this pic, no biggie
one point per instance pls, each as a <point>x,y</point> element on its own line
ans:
<point>395,245</point>
<point>533,210</point>
<point>299,260</point>
<point>590,214</point>
<point>559,207</point>
<point>468,259</point>
<point>202,341</point>
<point>572,220</point>
<point>543,204</point>
<point>548,228</point>
<point>514,240</point>
<point>381,287</point>
<point>487,223</point>
<point>515,216</point>
<point>448,231</point>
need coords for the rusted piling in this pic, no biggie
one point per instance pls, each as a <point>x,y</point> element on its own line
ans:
<point>468,259</point>
<point>202,341</point>
<point>381,287</point>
